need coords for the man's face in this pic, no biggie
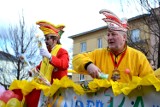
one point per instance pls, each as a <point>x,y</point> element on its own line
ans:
<point>116,40</point>
<point>49,41</point>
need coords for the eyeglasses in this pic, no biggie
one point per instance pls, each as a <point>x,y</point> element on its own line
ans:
<point>47,38</point>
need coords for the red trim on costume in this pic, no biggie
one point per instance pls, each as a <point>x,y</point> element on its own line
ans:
<point>117,64</point>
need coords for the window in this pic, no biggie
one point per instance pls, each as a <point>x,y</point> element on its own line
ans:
<point>135,35</point>
<point>99,42</point>
<point>83,46</point>
<point>81,77</point>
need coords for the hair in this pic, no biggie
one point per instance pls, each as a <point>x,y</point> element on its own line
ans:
<point>56,38</point>
<point>124,34</point>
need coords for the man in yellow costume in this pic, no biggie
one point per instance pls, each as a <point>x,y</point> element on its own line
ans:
<point>118,60</point>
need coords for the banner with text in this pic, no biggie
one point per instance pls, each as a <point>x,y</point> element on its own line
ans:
<point>145,96</point>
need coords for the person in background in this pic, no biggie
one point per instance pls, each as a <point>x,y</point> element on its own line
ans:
<point>118,60</point>
<point>55,62</point>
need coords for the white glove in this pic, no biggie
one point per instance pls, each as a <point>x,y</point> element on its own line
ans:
<point>45,53</point>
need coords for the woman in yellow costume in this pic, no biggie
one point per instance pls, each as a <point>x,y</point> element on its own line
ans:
<point>118,60</point>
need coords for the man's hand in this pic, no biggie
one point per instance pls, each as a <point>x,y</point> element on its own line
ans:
<point>30,73</point>
<point>45,53</point>
<point>93,70</point>
<point>33,71</point>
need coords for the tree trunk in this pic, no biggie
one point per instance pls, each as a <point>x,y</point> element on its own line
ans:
<point>158,53</point>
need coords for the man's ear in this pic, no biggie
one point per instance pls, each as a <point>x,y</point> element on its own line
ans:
<point>125,36</point>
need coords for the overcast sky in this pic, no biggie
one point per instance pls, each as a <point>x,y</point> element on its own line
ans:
<point>77,15</point>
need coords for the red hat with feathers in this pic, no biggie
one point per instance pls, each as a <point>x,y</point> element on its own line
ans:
<point>113,22</point>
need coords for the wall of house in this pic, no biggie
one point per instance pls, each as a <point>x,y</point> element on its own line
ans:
<point>91,41</point>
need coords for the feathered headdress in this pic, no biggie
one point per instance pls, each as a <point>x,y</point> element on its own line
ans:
<point>49,28</point>
<point>113,22</point>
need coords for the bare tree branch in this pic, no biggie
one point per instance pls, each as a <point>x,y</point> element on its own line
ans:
<point>151,23</point>
<point>17,39</point>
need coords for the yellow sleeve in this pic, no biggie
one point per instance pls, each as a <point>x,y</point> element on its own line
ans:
<point>145,67</point>
<point>157,73</point>
<point>80,60</point>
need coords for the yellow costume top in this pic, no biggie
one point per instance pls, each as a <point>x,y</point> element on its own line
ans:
<point>157,73</point>
<point>46,68</point>
<point>133,60</point>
